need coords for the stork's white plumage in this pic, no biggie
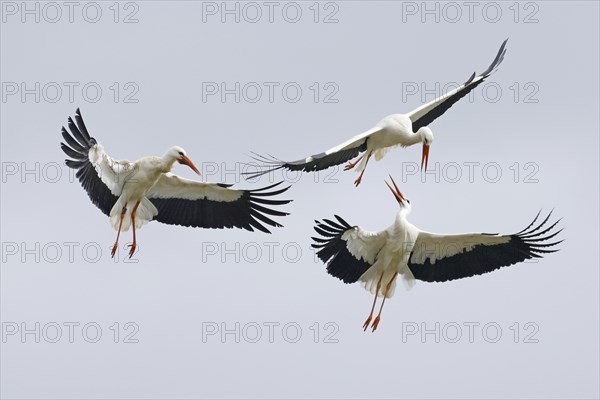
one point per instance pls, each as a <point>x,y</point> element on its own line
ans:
<point>394,130</point>
<point>375,259</point>
<point>134,193</point>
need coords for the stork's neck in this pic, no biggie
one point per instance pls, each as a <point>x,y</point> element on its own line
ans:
<point>416,137</point>
<point>167,162</point>
<point>400,222</point>
<point>401,216</point>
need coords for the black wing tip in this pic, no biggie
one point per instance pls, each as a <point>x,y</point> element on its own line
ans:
<point>269,164</point>
<point>343,221</point>
<point>497,60</point>
<point>78,133</point>
<point>74,164</point>
<point>261,222</point>
<point>264,191</point>
<point>258,174</point>
<point>259,157</point>
<point>535,238</point>
<point>328,229</point>
<point>259,212</point>
<point>74,154</point>
<point>470,78</point>
<point>316,162</point>
<point>274,185</point>
<point>331,249</point>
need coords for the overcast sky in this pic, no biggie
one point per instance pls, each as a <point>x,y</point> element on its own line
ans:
<point>231,314</point>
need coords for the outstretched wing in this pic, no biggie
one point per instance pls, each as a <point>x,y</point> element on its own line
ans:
<point>100,175</point>
<point>427,113</point>
<point>214,205</point>
<point>348,251</point>
<point>334,156</point>
<point>440,258</point>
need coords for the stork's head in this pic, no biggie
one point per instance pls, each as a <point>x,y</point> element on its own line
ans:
<point>426,138</point>
<point>178,154</point>
<point>402,201</point>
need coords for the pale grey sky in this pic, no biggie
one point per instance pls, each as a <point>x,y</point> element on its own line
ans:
<point>151,83</point>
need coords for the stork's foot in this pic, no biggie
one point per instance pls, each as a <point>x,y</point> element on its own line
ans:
<point>359,179</point>
<point>349,166</point>
<point>132,247</point>
<point>367,322</point>
<point>375,323</point>
<point>114,250</point>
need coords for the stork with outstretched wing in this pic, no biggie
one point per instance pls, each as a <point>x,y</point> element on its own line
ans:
<point>134,193</point>
<point>375,259</point>
<point>394,130</point>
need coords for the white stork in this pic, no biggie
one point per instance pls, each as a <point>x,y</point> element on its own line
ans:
<point>377,258</point>
<point>134,193</point>
<point>394,130</point>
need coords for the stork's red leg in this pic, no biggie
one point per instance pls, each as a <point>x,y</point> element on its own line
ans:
<point>357,182</point>
<point>134,244</point>
<point>368,321</point>
<point>351,165</point>
<point>114,249</point>
<point>387,289</point>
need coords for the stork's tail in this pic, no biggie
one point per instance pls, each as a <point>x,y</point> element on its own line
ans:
<point>144,214</point>
<point>371,277</point>
<point>363,162</point>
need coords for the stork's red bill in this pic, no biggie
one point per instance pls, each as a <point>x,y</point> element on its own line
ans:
<point>132,193</point>
<point>376,259</point>
<point>394,130</point>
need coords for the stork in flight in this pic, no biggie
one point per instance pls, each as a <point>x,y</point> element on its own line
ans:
<point>377,258</point>
<point>394,130</point>
<point>134,193</point>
